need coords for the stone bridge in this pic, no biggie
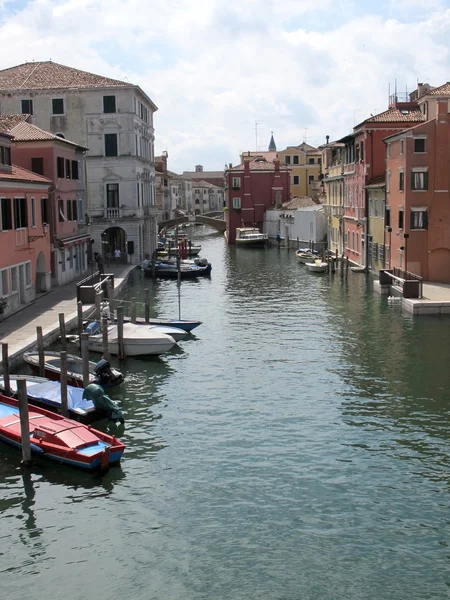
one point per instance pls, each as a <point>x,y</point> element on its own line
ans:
<point>216,220</point>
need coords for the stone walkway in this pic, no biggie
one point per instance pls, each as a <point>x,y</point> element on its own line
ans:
<point>438,292</point>
<point>19,330</point>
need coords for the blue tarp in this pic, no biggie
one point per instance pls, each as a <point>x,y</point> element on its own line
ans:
<point>50,392</point>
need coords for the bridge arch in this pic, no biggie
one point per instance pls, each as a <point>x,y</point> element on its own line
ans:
<point>214,220</point>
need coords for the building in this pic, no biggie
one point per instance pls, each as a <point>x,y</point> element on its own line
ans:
<point>334,187</point>
<point>206,197</point>
<point>62,162</point>
<point>253,187</point>
<point>418,197</point>
<point>304,162</point>
<point>114,119</point>
<point>364,160</point>
<point>378,250</point>
<point>214,177</point>
<point>24,238</point>
<point>162,188</point>
<point>301,220</point>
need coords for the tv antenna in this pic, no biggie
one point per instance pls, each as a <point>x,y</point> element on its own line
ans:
<point>257,123</point>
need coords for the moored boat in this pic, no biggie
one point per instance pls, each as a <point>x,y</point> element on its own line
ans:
<point>192,250</point>
<point>318,266</point>
<point>138,340</point>
<point>169,270</point>
<point>250,237</point>
<point>59,439</point>
<point>185,325</point>
<point>305,255</point>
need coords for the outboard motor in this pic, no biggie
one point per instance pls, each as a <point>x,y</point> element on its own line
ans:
<point>92,328</point>
<point>201,262</point>
<point>106,376</point>
<point>101,401</point>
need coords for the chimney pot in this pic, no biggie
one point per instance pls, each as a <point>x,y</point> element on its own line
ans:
<point>328,138</point>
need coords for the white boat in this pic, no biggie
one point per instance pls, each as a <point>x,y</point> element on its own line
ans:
<point>250,237</point>
<point>138,340</point>
<point>304,256</point>
<point>318,266</point>
<point>192,250</point>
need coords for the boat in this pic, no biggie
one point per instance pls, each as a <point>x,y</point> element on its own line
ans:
<point>169,270</point>
<point>305,255</point>
<point>177,334</point>
<point>193,250</point>
<point>358,269</point>
<point>138,340</point>
<point>250,237</point>
<point>58,438</point>
<point>46,394</point>
<point>318,266</point>
<point>100,372</point>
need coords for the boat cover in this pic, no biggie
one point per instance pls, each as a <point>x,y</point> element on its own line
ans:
<point>50,392</point>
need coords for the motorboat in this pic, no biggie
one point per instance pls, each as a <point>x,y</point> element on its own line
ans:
<point>138,340</point>
<point>318,266</point>
<point>176,333</point>
<point>169,270</point>
<point>305,255</point>
<point>58,438</point>
<point>101,372</point>
<point>44,393</point>
<point>250,237</point>
<point>184,324</point>
<point>189,250</point>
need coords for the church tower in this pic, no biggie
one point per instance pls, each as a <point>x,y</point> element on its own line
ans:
<point>272,145</point>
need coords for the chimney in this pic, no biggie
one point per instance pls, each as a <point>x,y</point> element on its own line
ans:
<point>198,168</point>
<point>276,162</point>
<point>230,165</point>
<point>328,139</point>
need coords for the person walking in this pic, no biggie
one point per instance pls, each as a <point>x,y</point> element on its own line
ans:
<point>117,255</point>
<point>99,260</point>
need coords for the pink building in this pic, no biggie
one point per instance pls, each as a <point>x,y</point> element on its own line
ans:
<point>24,239</point>
<point>418,197</point>
<point>63,162</point>
<point>253,187</point>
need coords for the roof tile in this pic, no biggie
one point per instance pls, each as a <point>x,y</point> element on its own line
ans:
<point>443,90</point>
<point>22,131</point>
<point>398,115</point>
<point>18,174</point>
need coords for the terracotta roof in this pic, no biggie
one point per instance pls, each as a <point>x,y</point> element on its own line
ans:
<point>50,75</point>
<point>378,181</point>
<point>26,132</point>
<point>201,175</point>
<point>443,90</point>
<point>19,174</point>
<point>259,165</point>
<point>398,115</point>
<point>269,156</point>
<point>299,202</point>
<point>205,184</point>
<point>7,122</point>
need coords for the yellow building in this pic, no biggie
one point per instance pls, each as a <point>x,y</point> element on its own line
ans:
<point>305,164</point>
<point>334,184</point>
<point>378,250</point>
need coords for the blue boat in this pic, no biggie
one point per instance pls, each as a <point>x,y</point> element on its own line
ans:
<point>169,270</point>
<point>184,324</point>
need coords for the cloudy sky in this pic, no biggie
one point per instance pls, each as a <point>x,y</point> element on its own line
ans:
<point>302,68</point>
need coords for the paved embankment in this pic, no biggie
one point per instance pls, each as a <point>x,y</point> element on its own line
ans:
<point>19,330</point>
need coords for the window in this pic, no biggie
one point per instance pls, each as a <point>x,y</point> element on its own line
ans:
<point>5,282</point>
<point>37,165</point>
<point>67,168</point>
<point>61,217</point>
<point>112,195</point>
<point>33,212</point>
<point>295,159</point>
<point>60,167</point>
<point>388,181</point>
<point>361,158</point>
<point>27,107</point>
<point>69,210</point>
<point>196,191</point>
<point>401,181</point>
<point>310,161</point>
<point>387,216</point>
<point>419,145</point>
<point>296,180</point>
<point>111,144</point>
<point>14,279</point>
<point>197,201</point>
<point>236,182</point>
<point>357,153</point>
<point>28,274</point>
<point>310,179</point>
<point>80,210</point>
<point>419,218</point>
<point>75,169</point>
<point>74,210</point>
<point>402,146</point>
<point>6,214</point>
<point>57,106</point>
<point>287,160</point>
<point>20,213</point>
<point>375,207</point>
<point>5,155</point>
<point>44,210</point>
<point>109,104</point>
<point>400,218</point>
<point>419,180</point>
<point>237,203</point>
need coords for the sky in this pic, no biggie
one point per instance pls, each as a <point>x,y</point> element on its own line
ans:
<point>225,73</point>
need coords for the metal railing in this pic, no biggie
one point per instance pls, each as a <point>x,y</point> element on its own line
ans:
<point>410,283</point>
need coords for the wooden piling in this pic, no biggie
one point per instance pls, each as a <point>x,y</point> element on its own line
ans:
<point>346,266</point>
<point>147,305</point>
<point>85,358</point>
<point>105,337</point>
<point>40,345</point>
<point>80,319</point>
<point>63,379</point>
<point>98,301</point>
<point>62,331</point>
<point>5,364</point>
<point>133,310</point>
<point>24,420</point>
<point>298,244</point>
<point>121,349</point>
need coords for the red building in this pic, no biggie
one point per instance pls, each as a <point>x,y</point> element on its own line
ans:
<point>62,162</point>
<point>365,160</point>
<point>253,187</point>
<point>418,197</point>
<point>24,238</point>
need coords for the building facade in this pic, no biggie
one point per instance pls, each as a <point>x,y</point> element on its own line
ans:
<point>304,162</point>
<point>378,250</point>
<point>24,236</point>
<point>334,187</point>
<point>114,120</point>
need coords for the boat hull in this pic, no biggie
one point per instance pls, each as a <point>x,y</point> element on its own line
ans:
<point>138,341</point>
<point>172,272</point>
<point>251,243</point>
<point>313,268</point>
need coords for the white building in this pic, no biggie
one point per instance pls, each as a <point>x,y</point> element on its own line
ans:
<point>114,119</point>
<point>206,198</point>
<point>306,224</point>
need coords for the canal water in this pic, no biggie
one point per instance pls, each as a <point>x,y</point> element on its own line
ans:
<point>295,448</point>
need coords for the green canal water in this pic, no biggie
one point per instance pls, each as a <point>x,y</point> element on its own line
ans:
<point>295,448</point>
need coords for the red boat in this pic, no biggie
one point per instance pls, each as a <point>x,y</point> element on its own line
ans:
<point>60,439</point>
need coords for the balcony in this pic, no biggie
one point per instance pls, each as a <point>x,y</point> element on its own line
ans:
<point>113,213</point>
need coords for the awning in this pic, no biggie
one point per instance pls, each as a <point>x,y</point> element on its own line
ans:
<point>75,239</point>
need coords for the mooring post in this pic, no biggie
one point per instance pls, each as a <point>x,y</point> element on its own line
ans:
<point>85,358</point>
<point>346,266</point>
<point>24,420</point>
<point>98,300</point>
<point>133,310</point>
<point>147,305</point>
<point>105,337</point>
<point>40,345</point>
<point>5,364</point>
<point>80,319</point>
<point>298,244</point>
<point>64,398</point>
<point>121,349</point>
<point>62,331</point>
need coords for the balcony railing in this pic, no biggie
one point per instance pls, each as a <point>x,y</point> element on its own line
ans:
<point>113,213</point>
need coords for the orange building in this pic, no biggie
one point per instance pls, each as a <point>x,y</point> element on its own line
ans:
<point>418,197</point>
<point>24,240</point>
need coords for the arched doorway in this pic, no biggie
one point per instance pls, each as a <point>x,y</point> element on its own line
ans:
<point>114,238</point>
<point>41,270</point>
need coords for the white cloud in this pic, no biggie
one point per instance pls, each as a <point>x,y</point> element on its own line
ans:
<point>215,66</point>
